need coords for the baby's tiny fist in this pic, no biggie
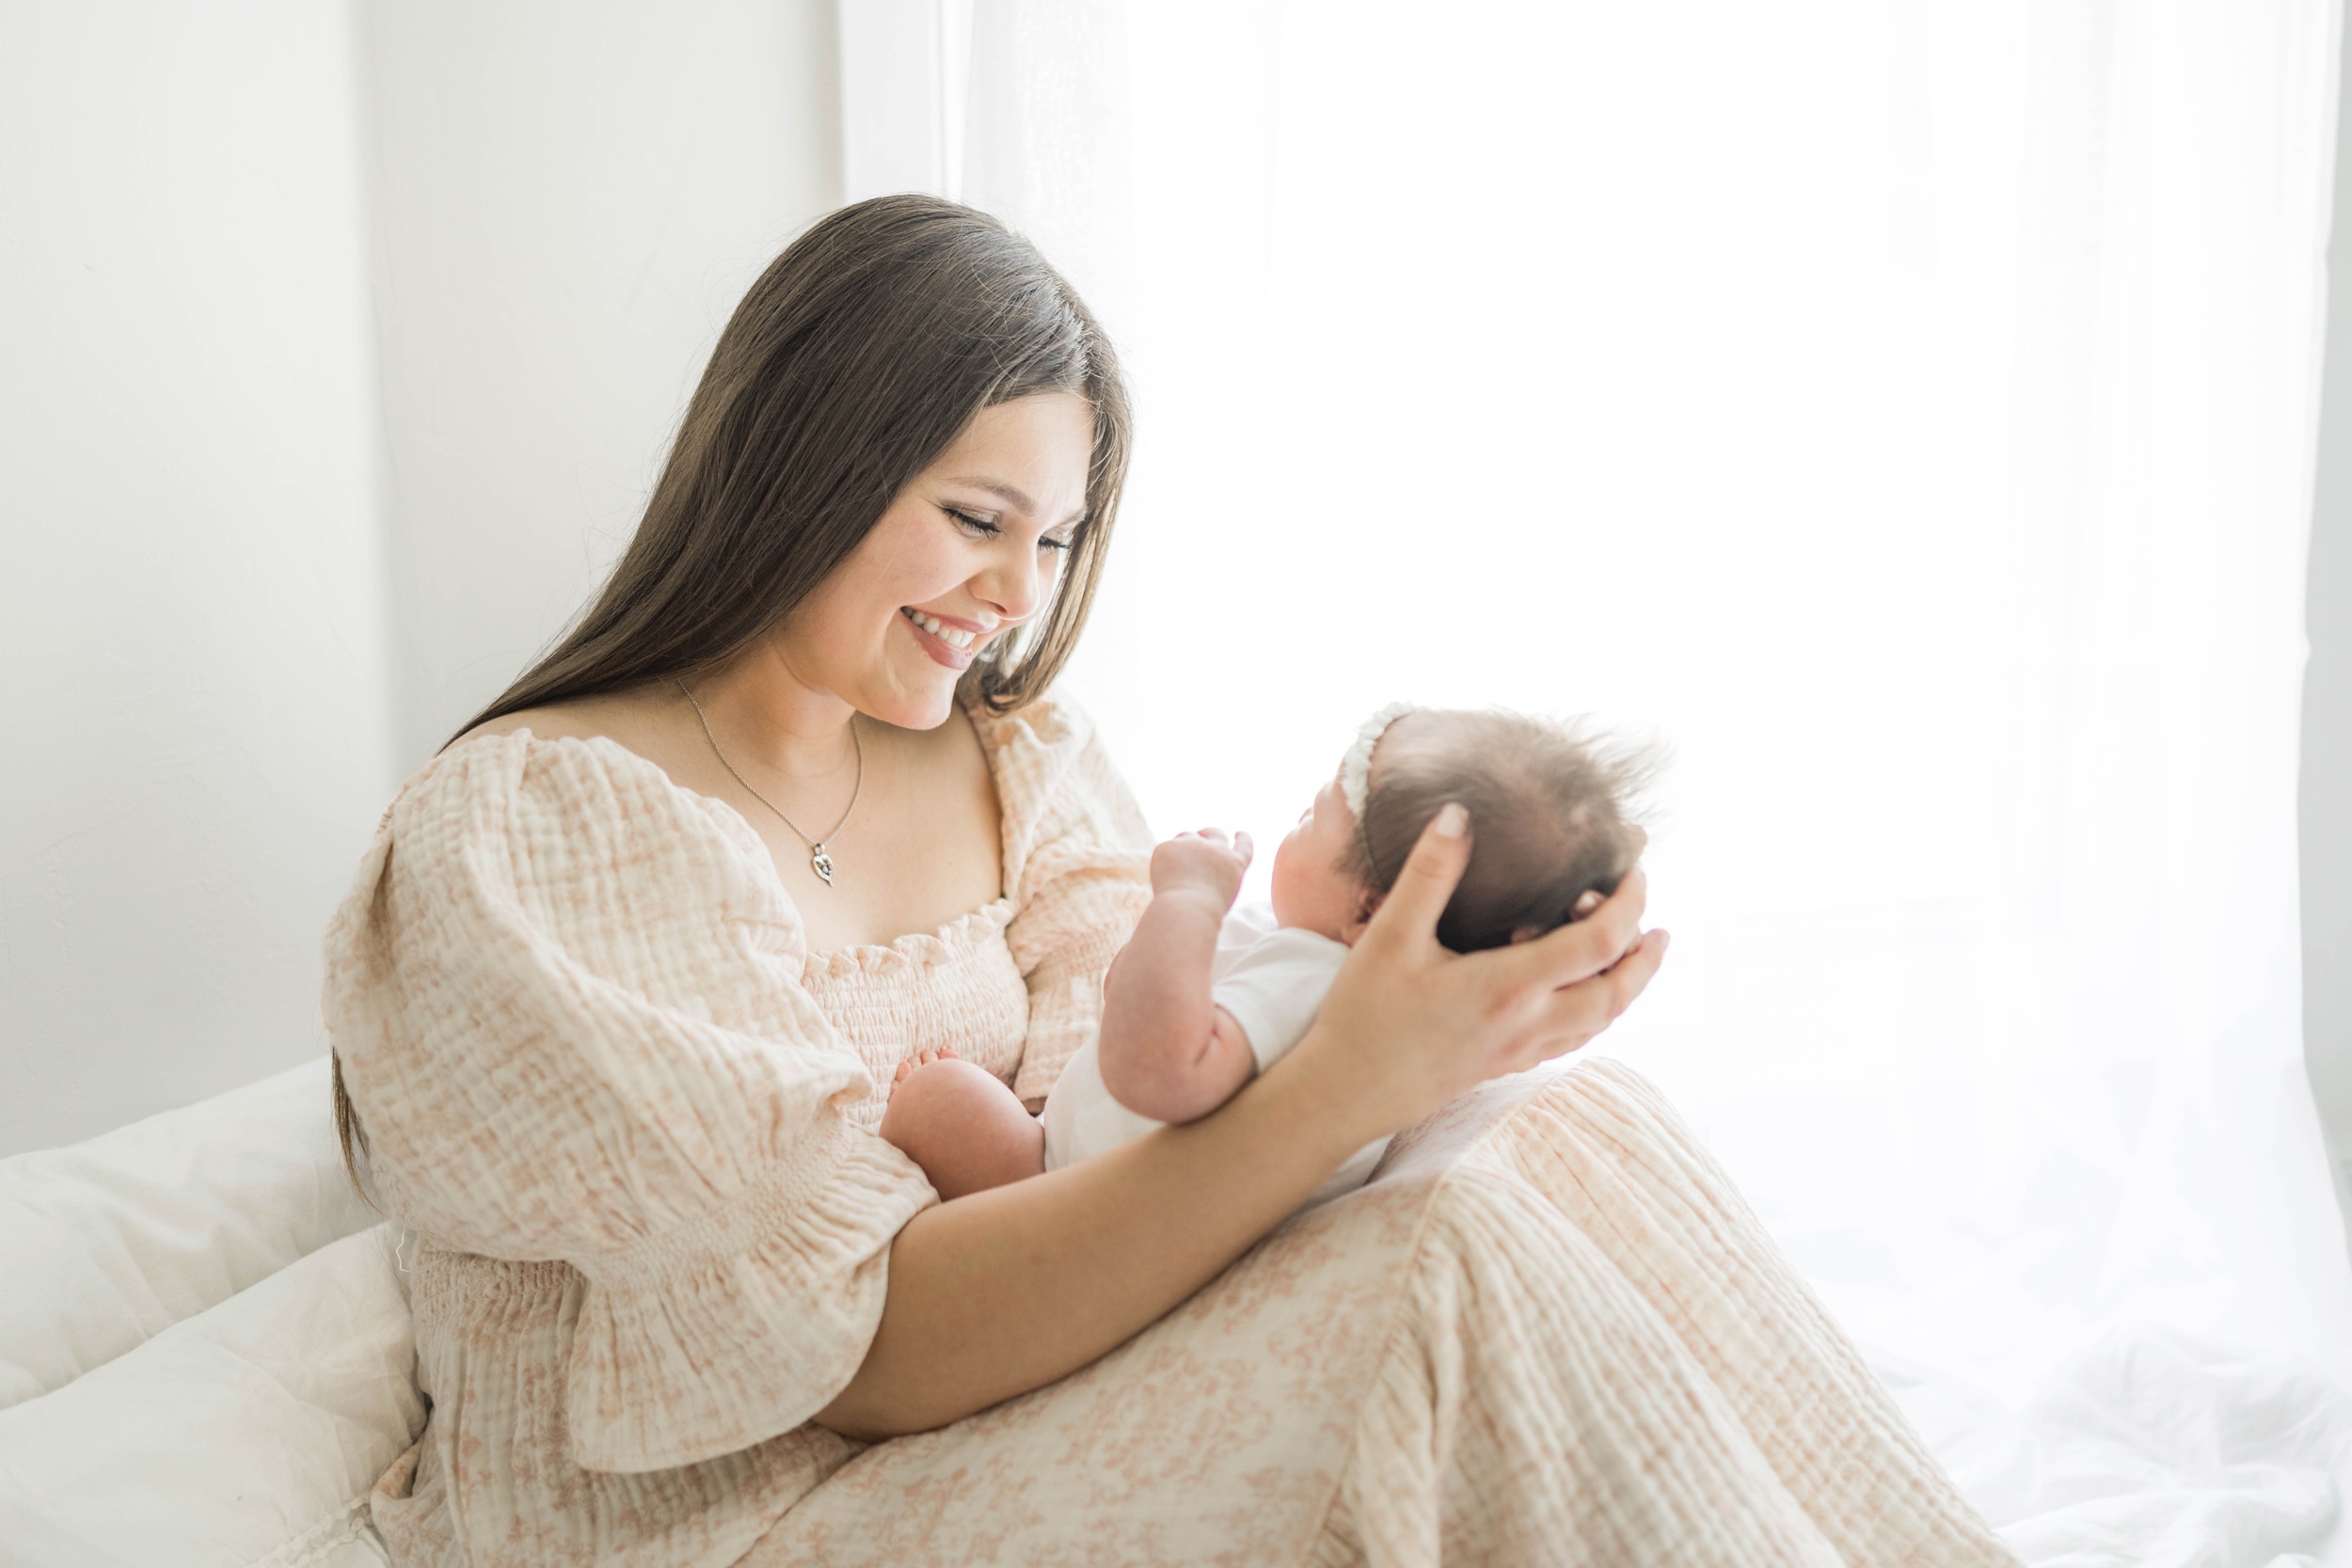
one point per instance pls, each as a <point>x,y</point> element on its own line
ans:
<point>1202,859</point>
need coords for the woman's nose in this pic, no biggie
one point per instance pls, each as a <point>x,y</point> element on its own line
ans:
<point>1014,587</point>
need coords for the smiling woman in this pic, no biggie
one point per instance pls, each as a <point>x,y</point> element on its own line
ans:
<point>615,1033</point>
<point>866,325</point>
<point>955,599</point>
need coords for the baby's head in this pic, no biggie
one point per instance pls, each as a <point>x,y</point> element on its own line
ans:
<point>1547,810</point>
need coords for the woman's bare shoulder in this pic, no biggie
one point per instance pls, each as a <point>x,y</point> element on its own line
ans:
<point>614,718</point>
<point>651,721</point>
<point>571,762</point>
<point>639,723</point>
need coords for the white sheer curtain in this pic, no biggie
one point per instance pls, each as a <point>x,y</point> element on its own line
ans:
<point>1901,411</point>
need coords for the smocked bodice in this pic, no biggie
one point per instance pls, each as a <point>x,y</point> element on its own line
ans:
<point>957,988</point>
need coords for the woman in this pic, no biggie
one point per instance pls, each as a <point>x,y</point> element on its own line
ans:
<point>624,974</point>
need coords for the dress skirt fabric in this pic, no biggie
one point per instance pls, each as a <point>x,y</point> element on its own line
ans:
<point>1548,1332</point>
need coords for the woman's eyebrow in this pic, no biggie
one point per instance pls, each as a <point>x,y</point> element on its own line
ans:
<point>1018,499</point>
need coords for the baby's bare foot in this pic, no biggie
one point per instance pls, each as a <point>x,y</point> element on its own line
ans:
<point>906,1070</point>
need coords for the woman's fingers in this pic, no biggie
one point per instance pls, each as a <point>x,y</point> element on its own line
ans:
<point>1574,1014</point>
<point>1585,947</point>
<point>1410,912</point>
<point>1632,975</point>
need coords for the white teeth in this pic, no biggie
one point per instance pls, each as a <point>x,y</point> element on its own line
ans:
<point>955,637</point>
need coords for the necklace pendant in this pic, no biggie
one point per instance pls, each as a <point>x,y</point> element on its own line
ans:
<point>822,863</point>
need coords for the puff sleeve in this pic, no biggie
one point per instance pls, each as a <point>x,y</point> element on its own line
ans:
<point>566,999</point>
<point>1078,865</point>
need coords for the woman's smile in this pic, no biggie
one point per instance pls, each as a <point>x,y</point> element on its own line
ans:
<point>971,548</point>
<point>950,641</point>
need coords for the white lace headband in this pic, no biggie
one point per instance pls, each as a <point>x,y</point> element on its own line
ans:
<point>1356,767</point>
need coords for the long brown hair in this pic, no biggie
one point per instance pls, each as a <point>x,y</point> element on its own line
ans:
<point>851,365</point>
<point>859,354</point>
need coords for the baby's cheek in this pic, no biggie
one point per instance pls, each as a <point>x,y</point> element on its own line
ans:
<point>1283,884</point>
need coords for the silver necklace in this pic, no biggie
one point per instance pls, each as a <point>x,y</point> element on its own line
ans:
<point>819,858</point>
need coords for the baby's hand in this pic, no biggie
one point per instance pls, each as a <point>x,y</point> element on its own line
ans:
<point>1206,860</point>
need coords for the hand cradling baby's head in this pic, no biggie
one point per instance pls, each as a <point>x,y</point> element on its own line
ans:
<point>1551,808</point>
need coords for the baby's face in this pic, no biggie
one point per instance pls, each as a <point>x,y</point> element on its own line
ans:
<point>1312,890</point>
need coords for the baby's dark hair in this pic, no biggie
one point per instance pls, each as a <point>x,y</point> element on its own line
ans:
<point>1549,808</point>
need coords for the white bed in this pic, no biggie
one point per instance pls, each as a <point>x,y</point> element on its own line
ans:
<point>205,1360</point>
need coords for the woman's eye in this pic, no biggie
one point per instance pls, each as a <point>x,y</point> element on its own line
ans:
<point>983,527</point>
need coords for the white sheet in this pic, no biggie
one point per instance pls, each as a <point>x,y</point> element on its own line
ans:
<point>2148,1449</point>
<point>248,1436</point>
<point>106,1243</point>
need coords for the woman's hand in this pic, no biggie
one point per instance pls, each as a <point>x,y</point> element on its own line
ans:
<point>1408,1025</point>
<point>1095,1251</point>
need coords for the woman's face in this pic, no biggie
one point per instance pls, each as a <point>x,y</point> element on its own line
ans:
<point>970,549</point>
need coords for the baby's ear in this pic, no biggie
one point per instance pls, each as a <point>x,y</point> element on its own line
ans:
<point>1367,905</point>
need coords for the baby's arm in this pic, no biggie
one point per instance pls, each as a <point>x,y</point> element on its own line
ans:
<point>1167,1050</point>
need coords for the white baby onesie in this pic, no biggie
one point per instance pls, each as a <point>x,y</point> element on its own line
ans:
<point>1272,979</point>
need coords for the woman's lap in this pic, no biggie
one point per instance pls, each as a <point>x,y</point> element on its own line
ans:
<point>1218,1432</point>
<point>1550,1331</point>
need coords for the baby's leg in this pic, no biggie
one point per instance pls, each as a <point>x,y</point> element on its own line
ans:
<point>962,1125</point>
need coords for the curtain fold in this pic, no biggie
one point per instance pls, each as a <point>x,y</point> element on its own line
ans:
<point>1904,414</point>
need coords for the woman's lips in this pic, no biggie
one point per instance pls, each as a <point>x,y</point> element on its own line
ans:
<point>932,642</point>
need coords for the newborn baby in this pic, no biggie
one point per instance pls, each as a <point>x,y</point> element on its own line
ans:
<point>1200,1001</point>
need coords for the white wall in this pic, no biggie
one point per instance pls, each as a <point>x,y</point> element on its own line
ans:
<point>567,200</point>
<point>194,714</point>
<point>338,345</point>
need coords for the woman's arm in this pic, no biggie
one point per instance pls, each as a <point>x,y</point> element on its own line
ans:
<point>1166,1050</point>
<point>1006,1290</point>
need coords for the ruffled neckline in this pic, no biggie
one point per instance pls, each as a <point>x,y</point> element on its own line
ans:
<point>916,949</point>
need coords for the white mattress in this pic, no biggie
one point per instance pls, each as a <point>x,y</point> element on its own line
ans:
<point>205,1360</point>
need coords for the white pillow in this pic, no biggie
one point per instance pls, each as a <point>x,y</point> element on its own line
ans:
<point>107,1241</point>
<point>248,1436</point>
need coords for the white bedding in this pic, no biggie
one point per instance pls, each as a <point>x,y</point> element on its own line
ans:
<point>2147,1449</point>
<point>205,1360</point>
<point>249,1434</point>
<point>108,1243</point>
